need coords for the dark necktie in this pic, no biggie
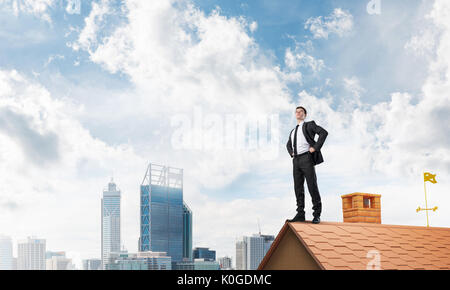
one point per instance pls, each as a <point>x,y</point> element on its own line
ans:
<point>295,140</point>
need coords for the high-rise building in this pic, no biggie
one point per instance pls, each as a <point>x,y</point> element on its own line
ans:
<point>92,264</point>
<point>14,263</point>
<point>204,253</point>
<point>257,247</point>
<point>251,250</point>
<point>241,254</point>
<point>225,263</point>
<point>187,232</point>
<point>139,261</point>
<point>163,213</point>
<point>197,264</point>
<point>58,261</point>
<point>31,254</point>
<point>110,213</point>
<point>268,240</point>
<point>6,253</point>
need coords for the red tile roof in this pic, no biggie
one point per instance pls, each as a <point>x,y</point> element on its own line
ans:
<point>346,245</point>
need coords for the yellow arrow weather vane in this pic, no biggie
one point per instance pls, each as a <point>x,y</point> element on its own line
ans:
<point>420,209</point>
<point>431,178</point>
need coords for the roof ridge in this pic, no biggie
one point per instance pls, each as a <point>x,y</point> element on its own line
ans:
<point>377,225</point>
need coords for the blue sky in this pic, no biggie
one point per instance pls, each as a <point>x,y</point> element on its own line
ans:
<point>378,65</point>
<point>363,53</point>
<point>110,80</point>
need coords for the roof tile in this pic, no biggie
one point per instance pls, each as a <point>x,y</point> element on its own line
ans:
<point>343,250</point>
<point>328,254</point>
<point>322,246</point>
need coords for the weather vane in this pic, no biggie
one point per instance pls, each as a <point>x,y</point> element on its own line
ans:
<point>431,178</point>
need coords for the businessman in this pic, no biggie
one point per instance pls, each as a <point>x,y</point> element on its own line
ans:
<point>305,154</point>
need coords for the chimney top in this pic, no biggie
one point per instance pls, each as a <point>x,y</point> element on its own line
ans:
<point>361,207</point>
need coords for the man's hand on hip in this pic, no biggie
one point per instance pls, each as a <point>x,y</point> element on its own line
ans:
<point>312,150</point>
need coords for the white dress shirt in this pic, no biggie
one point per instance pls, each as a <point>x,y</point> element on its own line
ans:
<point>302,144</point>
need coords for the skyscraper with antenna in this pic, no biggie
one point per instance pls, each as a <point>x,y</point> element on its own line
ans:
<point>110,214</point>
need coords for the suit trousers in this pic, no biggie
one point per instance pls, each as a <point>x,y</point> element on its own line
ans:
<point>304,169</point>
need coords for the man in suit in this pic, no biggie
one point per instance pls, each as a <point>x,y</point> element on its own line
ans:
<point>305,154</point>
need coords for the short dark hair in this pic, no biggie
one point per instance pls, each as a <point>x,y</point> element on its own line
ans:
<point>304,110</point>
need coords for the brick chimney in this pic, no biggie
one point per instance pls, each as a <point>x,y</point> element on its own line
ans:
<point>361,208</point>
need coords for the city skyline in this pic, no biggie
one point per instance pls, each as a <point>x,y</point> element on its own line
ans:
<point>160,182</point>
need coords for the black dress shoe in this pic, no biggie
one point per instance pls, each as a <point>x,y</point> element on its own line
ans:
<point>316,220</point>
<point>297,218</point>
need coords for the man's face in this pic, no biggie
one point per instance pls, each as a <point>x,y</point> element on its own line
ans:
<point>300,114</point>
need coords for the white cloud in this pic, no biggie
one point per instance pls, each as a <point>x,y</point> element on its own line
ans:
<point>183,59</point>
<point>422,44</point>
<point>353,86</point>
<point>340,22</point>
<point>93,24</point>
<point>290,76</point>
<point>186,53</point>
<point>73,6</point>
<point>52,58</point>
<point>253,26</point>
<point>38,8</point>
<point>298,59</point>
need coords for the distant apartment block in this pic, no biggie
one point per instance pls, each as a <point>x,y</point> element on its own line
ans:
<point>92,264</point>
<point>251,250</point>
<point>204,253</point>
<point>139,261</point>
<point>31,254</point>
<point>58,261</point>
<point>6,253</point>
<point>225,263</point>
<point>197,264</point>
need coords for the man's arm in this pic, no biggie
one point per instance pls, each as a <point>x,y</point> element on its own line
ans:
<point>322,135</point>
<point>289,145</point>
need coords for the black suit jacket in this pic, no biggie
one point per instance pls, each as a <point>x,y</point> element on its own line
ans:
<point>310,129</point>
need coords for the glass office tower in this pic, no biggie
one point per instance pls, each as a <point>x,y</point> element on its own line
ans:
<point>204,253</point>
<point>162,211</point>
<point>187,232</point>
